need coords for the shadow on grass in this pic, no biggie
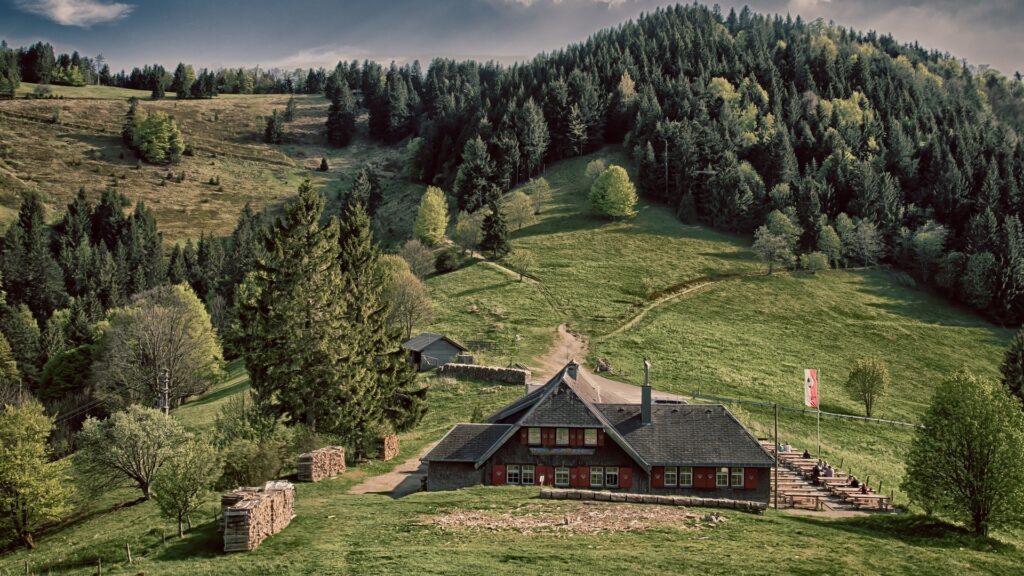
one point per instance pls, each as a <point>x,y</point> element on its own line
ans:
<point>915,530</point>
<point>487,288</point>
<point>201,542</point>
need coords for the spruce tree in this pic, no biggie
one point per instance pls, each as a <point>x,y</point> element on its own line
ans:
<point>532,131</point>
<point>341,117</point>
<point>30,273</point>
<point>474,185</point>
<point>495,232</point>
<point>272,134</point>
<point>290,319</point>
<point>1013,366</point>
<point>289,109</point>
<point>381,395</point>
<point>366,189</point>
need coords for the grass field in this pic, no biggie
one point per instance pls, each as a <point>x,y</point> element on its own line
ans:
<point>56,146</point>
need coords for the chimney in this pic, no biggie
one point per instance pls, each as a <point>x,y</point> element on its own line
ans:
<point>573,369</point>
<point>645,395</point>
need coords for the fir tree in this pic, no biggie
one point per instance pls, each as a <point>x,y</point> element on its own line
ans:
<point>272,134</point>
<point>494,232</point>
<point>474,185</point>
<point>1013,366</point>
<point>341,118</point>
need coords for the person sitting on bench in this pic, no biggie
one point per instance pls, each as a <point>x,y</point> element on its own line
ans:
<point>806,455</point>
<point>854,483</point>
<point>863,488</point>
<point>815,474</point>
<point>829,472</point>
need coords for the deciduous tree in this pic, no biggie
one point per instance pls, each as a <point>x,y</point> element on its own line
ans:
<point>867,382</point>
<point>431,217</point>
<point>613,194</point>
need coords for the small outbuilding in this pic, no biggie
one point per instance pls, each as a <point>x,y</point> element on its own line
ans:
<point>428,350</point>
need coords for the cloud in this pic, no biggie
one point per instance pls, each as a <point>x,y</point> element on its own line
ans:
<point>529,3</point>
<point>82,13</point>
<point>328,56</point>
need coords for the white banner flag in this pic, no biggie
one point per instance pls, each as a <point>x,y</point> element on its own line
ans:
<point>811,388</point>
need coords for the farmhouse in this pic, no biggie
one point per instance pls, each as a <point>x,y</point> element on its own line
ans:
<point>429,350</point>
<point>562,435</point>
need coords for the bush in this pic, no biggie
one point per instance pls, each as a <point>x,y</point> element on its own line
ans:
<point>814,262</point>
<point>447,261</point>
<point>613,194</point>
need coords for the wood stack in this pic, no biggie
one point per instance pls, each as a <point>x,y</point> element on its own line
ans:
<point>388,447</point>
<point>251,515</point>
<point>326,462</point>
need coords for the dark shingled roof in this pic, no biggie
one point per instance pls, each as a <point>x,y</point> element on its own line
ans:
<point>561,408</point>
<point>419,343</point>
<point>466,442</point>
<point>687,435</point>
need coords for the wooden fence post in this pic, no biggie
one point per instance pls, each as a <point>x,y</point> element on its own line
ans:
<point>128,548</point>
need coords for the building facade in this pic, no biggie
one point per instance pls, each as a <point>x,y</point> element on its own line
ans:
<point>428,351</point>
<point>562,435</point>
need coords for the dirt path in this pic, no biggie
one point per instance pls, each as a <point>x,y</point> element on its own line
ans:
<point>659,302</point>
<point>404,479</point>
<point>570,346</point>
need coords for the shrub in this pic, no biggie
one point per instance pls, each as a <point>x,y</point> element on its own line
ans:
<point>814,262</point>
<point>447,261</point>
<point>613,195</point>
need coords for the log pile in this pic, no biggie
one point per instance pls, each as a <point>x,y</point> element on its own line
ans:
<point>251,515</point>
<point>388,447</point>
<point>326,462</point>
<point>488,373</point>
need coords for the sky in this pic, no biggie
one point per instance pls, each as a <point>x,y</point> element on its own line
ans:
<point>303,33</point>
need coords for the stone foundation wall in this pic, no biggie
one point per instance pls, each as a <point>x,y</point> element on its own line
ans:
<point>488,373</point>
<point>743,505</point>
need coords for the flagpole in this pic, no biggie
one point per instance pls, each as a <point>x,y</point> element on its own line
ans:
<point>819,412</point>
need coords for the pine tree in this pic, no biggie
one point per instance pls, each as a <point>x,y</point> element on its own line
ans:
<point>577,136</point>
<point>532,132</point>
<point>366,189</point>
<point>494,232</point>
<point>290,320</point>
<point>290,108</point>
<point>30,273</point>
<point>323,165</point>
<point>128,127</point>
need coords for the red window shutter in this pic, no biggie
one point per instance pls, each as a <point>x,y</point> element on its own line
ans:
<point>575,435</point>
<point>704,478</point>
<point>524,436</point>
<point>498,474</point>
<point>625,478</point>
<point>658,477</point>
<point>549,475</point>
<point>750,478</point>
<point>547,436</point>
<point>580,477</point>
<point>600,438</point>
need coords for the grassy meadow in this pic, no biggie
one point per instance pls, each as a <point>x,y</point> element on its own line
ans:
<point>56,146</point>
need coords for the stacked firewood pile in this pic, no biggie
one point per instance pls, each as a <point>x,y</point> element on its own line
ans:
<point>251,515</point>
<point>388,447</point>
<point>326,462</point>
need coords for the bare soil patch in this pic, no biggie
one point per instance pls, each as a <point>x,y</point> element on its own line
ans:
<point>573,518</point>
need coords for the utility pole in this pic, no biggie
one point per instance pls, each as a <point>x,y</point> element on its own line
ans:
<point>666,168</point>
<point>165,381</point>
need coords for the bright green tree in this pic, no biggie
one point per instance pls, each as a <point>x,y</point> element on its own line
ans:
<point>182,484</point>
<point>519,209</point>
<point>522,262</point>
<point>772,248</point>
<point>432,217</point>
<point>967,461</point>
<point>867,382</point>
<point>129,447</point>
<point>830,245</point>
<point>33,489</point>
<point>157,138</point>
<point>613,195</point>
<point>466,233</point>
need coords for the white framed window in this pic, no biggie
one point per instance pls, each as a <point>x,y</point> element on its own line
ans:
<point>596,476</point>
<point>737,477</point>
<point>671,478</point>
<point>562,436</point>
<point>590,437</point>
<point>528,474</point>
<point>611,477</point>
<point>512,474</point>
<point>722,477</point>
<point>686,476</point>
<point>533,436</point>
<point>561,476</point>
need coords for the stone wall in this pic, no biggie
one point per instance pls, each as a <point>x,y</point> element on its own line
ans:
<point>488,373</point>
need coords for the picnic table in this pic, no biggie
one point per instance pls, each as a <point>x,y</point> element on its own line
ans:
<point>880,501</point>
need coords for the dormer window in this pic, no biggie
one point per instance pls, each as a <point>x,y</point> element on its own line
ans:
<point>590,437</point>
<point>562,436</point>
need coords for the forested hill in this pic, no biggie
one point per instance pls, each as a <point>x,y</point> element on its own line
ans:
<point>876,150</point>
<point>856,146</point>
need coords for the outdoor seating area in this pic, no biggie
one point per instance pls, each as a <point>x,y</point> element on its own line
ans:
<point>811,483</point>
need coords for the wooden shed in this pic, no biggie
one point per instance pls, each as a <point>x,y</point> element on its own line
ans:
<point>428,350</point>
